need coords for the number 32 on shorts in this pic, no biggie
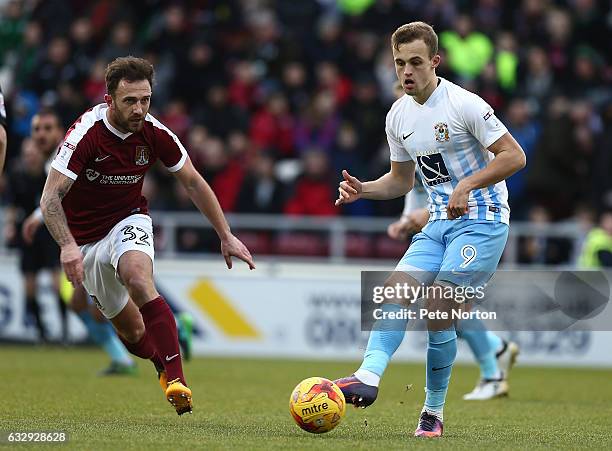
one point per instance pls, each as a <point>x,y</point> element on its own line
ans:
<point>142,238</point>
<point>468,253</point>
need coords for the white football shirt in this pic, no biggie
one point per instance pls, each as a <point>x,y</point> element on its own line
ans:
<point>447,138</point>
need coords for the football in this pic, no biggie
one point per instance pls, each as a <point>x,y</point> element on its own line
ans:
<point>317,405</point>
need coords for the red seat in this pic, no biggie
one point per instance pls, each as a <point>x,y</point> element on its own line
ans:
<point>385,247</point>
<point>259,243</point>
<point>301,243</point>
<point>358,245</point>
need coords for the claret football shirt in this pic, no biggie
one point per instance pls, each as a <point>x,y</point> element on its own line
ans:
<point>108,167</point>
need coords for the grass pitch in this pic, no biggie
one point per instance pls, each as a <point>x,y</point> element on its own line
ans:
<point>243,404</point>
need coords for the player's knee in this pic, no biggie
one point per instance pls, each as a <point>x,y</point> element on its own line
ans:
<point>138,285</point>
<point>133,333</point>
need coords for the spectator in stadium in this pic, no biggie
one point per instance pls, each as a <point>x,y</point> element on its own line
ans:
<point>295,86</point>
<point>468,51</point>
<point>597,249</point>
<point>362,111</point>
<point>318,125</point>
<point>554,162</point>
<point>101,223</point>
<point>225,174</point>
<point>121,42</point>
<point>538,79</point>
<point>272,126</point>
<point>526,131</point>
<point>312,193</point>
<point>542,250</point>
<point>55,68</point>
<point>84,48</point>
<point>12,25</point>
<point>261,191</point>
<point>29,53</point>
<point>219,115</point>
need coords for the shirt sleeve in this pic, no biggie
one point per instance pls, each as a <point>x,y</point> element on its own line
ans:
<point>398,153</point>
<point>74,154</point>
<point>169,148</point>
<point>481,121</point>
<point>2,110</point>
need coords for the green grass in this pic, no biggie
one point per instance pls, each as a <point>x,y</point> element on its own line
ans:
<point>243,404</point>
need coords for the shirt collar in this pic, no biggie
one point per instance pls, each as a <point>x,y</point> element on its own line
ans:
<point>112,129</point>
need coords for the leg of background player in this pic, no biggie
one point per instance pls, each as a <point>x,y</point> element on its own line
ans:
<point>32,306</point>
<point>484,346</point>
<point>103,334</point>
<point>55,279</point>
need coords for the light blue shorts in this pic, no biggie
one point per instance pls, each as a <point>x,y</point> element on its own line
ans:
<point>464,252</point>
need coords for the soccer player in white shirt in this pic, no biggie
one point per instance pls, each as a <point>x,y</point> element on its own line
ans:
<point>463,154</point>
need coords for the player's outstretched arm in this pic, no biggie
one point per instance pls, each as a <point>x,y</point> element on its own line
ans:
<point>204,198</point>
<point>395,183</point>
<point>56,188</point>
<point>509,158</point>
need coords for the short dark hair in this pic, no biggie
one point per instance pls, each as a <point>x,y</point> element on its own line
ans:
<point>48,111</point>
<point>128,68</point>
<point>414,31</point>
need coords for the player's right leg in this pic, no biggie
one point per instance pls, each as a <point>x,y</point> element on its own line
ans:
<point>418,267</point>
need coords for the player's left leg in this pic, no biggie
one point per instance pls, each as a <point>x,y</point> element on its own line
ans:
<point>135,268</point>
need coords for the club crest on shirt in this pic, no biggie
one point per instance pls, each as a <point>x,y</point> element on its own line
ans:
<point>441,132</point>
<point>142,155</point>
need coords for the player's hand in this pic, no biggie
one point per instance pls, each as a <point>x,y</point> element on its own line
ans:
<point>29,228</point>
<point>458,202</point>
<point>72,262</point>
<point>400,229</point>
<point>233,247</point>
<point>350,189</point>
<point>408,224</point>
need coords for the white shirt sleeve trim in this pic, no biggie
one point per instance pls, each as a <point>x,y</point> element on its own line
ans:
<point>178,165</point>
<point>67,172</point>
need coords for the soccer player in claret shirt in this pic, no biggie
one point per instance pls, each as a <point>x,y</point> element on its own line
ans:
<point>93,207</point>
<point>463,154</point>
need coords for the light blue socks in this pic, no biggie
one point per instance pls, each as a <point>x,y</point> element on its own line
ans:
<point>484,346</point>
<point>385,338</point>
<point>103,334</point>
<point>441,353</point>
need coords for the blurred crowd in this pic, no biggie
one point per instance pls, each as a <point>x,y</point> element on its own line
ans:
<point>273,98</point>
